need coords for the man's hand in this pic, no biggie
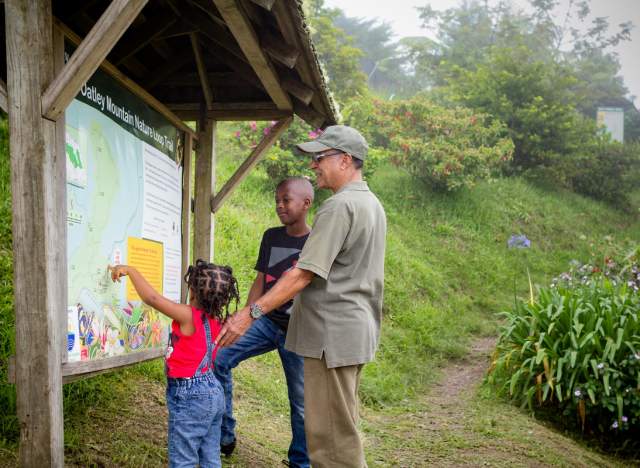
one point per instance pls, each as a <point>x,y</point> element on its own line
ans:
<point>234,328</point>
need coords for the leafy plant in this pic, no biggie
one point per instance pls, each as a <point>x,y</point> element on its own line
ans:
<point>447,148</point>
<point>283,159</point>
<point>576,349</point>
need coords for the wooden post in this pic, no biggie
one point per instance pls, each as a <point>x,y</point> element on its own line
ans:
<point>204,185</point>
<point>39,240</point>
<point>186,211</point>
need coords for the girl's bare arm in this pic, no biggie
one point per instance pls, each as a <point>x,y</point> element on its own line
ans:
<point>181,313</point>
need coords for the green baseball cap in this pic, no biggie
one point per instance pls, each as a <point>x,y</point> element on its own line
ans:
<point>338,137</point>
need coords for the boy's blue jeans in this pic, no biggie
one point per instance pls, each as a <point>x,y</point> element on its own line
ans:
<point>264,336</point>
<point>195,409</point>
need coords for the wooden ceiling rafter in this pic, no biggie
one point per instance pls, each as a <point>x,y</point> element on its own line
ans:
<point>281,13</point>
<point>245,35</point>
<point>202,71</point>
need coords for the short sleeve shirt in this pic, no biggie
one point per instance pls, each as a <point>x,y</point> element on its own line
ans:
<point>279,254</point>
<point>338,314</point>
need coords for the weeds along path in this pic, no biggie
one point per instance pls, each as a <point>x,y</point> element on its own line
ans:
<point>458,422</point>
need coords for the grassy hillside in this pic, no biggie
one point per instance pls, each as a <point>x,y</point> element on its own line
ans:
<point>448,272</point>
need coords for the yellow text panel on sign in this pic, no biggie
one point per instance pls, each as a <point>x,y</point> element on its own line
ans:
<point>147,257</point>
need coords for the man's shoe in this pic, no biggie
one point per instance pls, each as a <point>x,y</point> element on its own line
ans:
<point>227,449</point>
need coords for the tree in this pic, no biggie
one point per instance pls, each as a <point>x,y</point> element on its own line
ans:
<point>336,51</point>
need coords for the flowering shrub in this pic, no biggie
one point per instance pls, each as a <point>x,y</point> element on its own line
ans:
<point>576,349</point>
<point>448,148</point>
<point>283,160</point>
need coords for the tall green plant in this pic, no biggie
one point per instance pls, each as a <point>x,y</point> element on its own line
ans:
<point>576,349</point>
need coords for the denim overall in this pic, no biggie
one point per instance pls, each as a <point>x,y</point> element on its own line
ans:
<point>196,406</point>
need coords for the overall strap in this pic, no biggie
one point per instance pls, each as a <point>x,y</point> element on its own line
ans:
<point>207,359</point>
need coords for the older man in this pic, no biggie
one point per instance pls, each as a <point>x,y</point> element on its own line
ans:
<point>335,322</point>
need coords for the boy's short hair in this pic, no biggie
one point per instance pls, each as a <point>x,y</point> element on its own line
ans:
<point>302,183</point>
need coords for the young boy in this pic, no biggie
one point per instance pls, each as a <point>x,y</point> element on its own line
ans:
<point>279,253</point>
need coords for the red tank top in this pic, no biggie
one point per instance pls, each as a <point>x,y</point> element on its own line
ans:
<point>185,353</point>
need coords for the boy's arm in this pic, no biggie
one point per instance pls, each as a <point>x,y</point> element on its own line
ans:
<point>284,290</point>
<point>181,313</point>
<point>256,288</point>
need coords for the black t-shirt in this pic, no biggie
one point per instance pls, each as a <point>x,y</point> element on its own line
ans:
<point>279,253</point>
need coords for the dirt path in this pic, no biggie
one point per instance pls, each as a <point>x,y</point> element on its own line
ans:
<point>455,424</point>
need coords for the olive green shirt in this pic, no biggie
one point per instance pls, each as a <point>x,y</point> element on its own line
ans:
<point>338,314</point>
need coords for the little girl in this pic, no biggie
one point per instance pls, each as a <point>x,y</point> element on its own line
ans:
<point>195,398</point>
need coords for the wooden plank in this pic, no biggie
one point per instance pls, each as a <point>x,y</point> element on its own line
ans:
<point>298,89</point>
<point>249,163</point>
<point>204,185</point>
<point>80,369</point>
<point>308,114</point>
<point>3,97</point>
<point>131,85</point>
<point>244,33</point>
<point>202,71</point>
<point>89,54</point>
<point>186,212</point>
<point>230,115</point>
<point>266,4</point>
<point>38,225</point>
<point>230,111</point>
<point>309,73</point>
<point>279,50</point>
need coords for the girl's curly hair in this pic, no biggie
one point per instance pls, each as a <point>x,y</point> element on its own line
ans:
<point>214,286</point>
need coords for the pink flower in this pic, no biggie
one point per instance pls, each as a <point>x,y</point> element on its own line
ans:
<point>237,134</point>
<point>266,130</point>
<point>253,126</point>
<point>313,134</point>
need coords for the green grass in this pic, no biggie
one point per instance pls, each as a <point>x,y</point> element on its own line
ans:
<point>448,272</point>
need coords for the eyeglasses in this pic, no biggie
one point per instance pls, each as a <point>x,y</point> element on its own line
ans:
<point>317,157</point>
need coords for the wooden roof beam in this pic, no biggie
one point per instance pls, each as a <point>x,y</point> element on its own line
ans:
<point>282,11</point>
<point>308,114</point>
<point>279,50</point>
<point>202,71</point>
<point>88,56</point>
<point>129,84</point>
<point>244,33</point>
<point>298,89</point>
<point>231,111</point>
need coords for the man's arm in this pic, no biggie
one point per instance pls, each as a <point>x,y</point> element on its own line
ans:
<point>284,290</point>
<point>256,289</point>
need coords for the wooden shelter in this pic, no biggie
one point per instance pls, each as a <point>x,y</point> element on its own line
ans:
<point>189,60</point>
